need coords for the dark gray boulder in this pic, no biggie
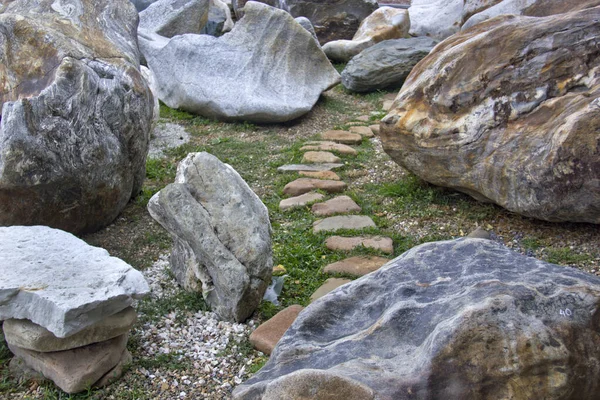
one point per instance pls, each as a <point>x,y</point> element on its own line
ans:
<point>169,18</point>
<point>459,319</point>
<point>76,113</point>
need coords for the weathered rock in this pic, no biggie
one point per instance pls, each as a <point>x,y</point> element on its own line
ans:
<point>343,137</point>
<point>479,233</point>
<point>387,105</point>
<point>266,336</point>
<point>305,185</point>
<point>383,24</point>
<point>305,167</point>
<point>42,280</point>
<point>167,136</point>
<point>357,266</point>
<point>374,129</point>
<point>525,135</point>
<point>384,244</point>
<point>332,224</point>
<point>306,24</point>
<point>387,64</point>
<point>363,131</point>
<point>459,319</point>
<point>228,261</point>
<point>116,372</point>
<point>151,81</point>
<point>219,19</point>
<point>329,175</point>
<point>275,70</point>
<point>28,335</point>
<point>300,201</point>
<point>320,157</point>
<point>141,5</point>
<point>337,205</point>
<point>169,18</point>
<point>328,286</point>
<point>76,113</point>
<point>329,146</point>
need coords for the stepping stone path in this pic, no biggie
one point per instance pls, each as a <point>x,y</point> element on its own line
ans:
<point>375,129</point>
<point>343,137</point>
<point>357,266</point>
<point>321,175</point>
<point>300,201</point>
<point>337,205</point>
<point>305,185</point>
<point>329,146</point>
<point>333,224</point>
<point>320,157</point>
<point>314,167</point>
<point>342,243</point>
<point>328,286</point>
<point>266,336</point>
<point>363,131</point>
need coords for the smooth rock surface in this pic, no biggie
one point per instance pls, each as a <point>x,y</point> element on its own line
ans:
<point>329,146</point>
<point>320,157</point>
<point>43,280</point>
<point>329,285</point>
<point>458,319</point>
<point>524,137</point>
<point>329,175</point>
<point>266,336</point>
<point>169,18</point>
<point>305,185</point>
<point>357,266</point>
<point>300,201</point>
<point>363,131</point>
<point>337,205</point>
<point>374,129</point>
<point>332,224</point>
<point>343,137</point>
<point>227,261</point>
<point>305,167</point>
<point>384,244</point>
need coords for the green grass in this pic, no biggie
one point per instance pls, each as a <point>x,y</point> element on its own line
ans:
<point>566,256</point>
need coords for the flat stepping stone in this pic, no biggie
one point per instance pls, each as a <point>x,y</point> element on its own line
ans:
<point>321,175</point>
<point>329,146</point>
<point>304,167</point>
<point>375,129</point>
<point>337,205</point>
<point>266,336</point>
<point>479,233</point>
<point>384,244</point>
<point>357,266</point>
<point>387,105</point>
<point>320,157</point>
<point>305,185</point>
<point>333,224</point>
<point>363,131</point>
<point>363,118</point>
<point>390,96</point>
<point>344,137</point>
<point>328,286</point>
<point>300,201</point>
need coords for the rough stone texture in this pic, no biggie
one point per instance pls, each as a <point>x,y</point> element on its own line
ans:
<point>357,266</point>
<point>305,167</point>
<point>330,175</point>
<point>305,185</point>
<point>28,335</point>
<point>384,244</point>
<point>228,261</point>
<point>328,286</point>
<point>374,129</point>
<point>151,81</point>
<point>167,136</point>
<point>76,113</point>
<point>462,319</point>
<point>332,224</point>
<point>78,369</point>
<point>517,125</point>
<point>275,71</point>
<point>343,137</point>
<point>116,372</point>
<point>141,5</point>
<point>329,146</point>
<point>300,201</point>
<point>306,24</point>
<point>320,157</point>
<point>58,281</point>
<point>337,205</point>
<point>387,64</point>
<point>383,24</point>
<point>266,336</point>
<point>363,131</point>
<point>219,19</point>
<point>169,18</point>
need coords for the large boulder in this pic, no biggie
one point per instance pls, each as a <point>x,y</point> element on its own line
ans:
<point>169,18</point>
<point>507,112</point>
<point>219,19</point>
<point>141,5</point>
<point>267,69</point>
<point>460,319</point>
<point>76,113</point>
<point>221,234</point>
<point>386,64</point>
<point>384,24</point>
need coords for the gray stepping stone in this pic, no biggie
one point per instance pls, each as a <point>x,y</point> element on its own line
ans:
<point>304,167</point>
<point>328,286</point>
<point>384,244</point>
<point>332,224</point>
<point>344,137</point>
<point>337,205</point>
<point>363,131</point>
<point>358,266</point>
<point>320,157</point>
<point>305,185</point>
<point>321,175</point>
<point>299,201</point>
<point>266,336</point>
<point>329,146</point>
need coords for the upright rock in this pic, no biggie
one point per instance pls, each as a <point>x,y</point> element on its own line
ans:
<point>76,113</point>
<point>518,125</point>
<point>169,18</point>
<point>219,19</point>
<point>460,319</point>
<point>221,234</point>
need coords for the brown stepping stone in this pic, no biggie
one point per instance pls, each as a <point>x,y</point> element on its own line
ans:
<point>387,105</point>
<point>320,157</point>
<point>299,201</point>
<point>375,129</point>
<point>304,167</point>
<point>363,118</point>
<point>328,286</point>
<point>382,243</point>
<point>354,123</point>
<point>305,185</point>
<point>363,131</point>
<point>337,205</point>
<point>344,137</point>
<point>358,266</point>
<point>329,146</point>
<point>321,175</point>
<point>390,96</point>
<point>332,224</point>
<point>266,336</point>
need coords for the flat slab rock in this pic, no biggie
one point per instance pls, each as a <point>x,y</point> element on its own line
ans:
<point>58,281</point>
<point>459,319</point>
<point>332,224</point>
<point>343,137</point>
<point>357,266</point>
<point>266,336</point>
<point>363,131</point>
<point>329,285</point>
<point>300,201</point>
<point>305,167</point>
<point>325,157</point>
<point>324,145</point>
<point>304,185</point>
<point>337,205</point>
<point>381,243</point>
<point>330,175</point>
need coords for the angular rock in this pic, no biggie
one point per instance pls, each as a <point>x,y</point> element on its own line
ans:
<point>329,175</point>
<point>384,244</point>
<point>306,24</point>
<point>219,19</point>
<point>116,372</point>
<point>313,168</point>
<point>167,136</point>
<point>385,65</point>
<point>28,335</point>
<point>529,146</point>
<point>305,185</point>
<point>357,266</point>
<point>169,18</point>
<point>78,369</point>
<point>329,146</point>
<point>459,319</point>
<point>42,280</point>
<point>329,285</point>
<point>76,113</point>
<point>141,5</point>
<point>320,157</point>
<point>332,224</point>
<point>374,129</point>
<point>275,70</point>
<point>266,336</point>
<point>363,131</point>
<point>343,137</point>
<point>337,205</point>
<point>300,201</point>
<point>213,253</point>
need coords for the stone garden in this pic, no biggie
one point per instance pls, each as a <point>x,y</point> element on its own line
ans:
<point>299,199</point>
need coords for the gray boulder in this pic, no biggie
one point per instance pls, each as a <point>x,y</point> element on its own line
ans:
<point>141,5</point>
<point>221,234</point>
<point>61,283</point>
<point>306,24</point>
<point>386,64</point>
<point>460,319</point>
<point>175,17</point>
<point>76,113</point>
<point>219,19</point>
<point>267,69</point>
